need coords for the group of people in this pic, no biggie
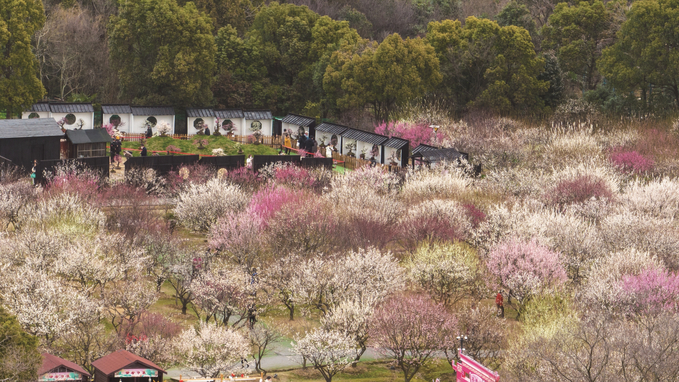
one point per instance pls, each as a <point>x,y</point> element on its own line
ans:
<point>304,143</point>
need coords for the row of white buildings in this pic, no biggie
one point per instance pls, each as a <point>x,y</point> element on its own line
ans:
<point>135,119</point>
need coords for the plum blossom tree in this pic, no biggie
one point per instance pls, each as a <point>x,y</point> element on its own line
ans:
<point>411,329</point>
<point>651,292</point>
<point>351,318</point>
<point>210,350</point>
<point>238,236</point>
<point>224,294</point>
<point>329,352</point>
<point>365,276</point>
<point>525,268</point>
<point>201,205</point>
<point>448,271</point>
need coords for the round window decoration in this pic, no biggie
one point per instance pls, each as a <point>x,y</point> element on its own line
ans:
<point>33,115</point>
<point>114,120</point>
<point>153,120</point>
<point>227,122</point>
<point>198,123</point>
<point>70,119</point>
<point>256,125</point>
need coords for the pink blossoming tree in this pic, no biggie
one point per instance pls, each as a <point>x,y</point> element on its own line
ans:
<point>653,291</point>
<point>525,268</point>
<point>411,329</point>
<point>416,133</point>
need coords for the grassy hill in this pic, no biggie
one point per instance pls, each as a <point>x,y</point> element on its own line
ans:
<point>188,146</point>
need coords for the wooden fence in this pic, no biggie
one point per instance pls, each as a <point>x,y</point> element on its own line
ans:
<point>228,162</point>
<point>352,163</point>
<point>162,164</point>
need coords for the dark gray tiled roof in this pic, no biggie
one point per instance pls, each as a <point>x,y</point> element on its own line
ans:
<point>23,128</point>
<point>298,120</point>
<point>331,128</point>
<point>228,114</point>
<point>40,106</point>
<point>396,143</point>
<point>364,136</point>
<point>71,108</point>
<point>423,148</point>
<point>152,110</point>
<point>258,114</point>
<point>116,109</point>
<point>199,113</point>
<point>78,137</point>
<point>442,154</point>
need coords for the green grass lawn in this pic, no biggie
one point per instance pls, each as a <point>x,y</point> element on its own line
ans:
<point>188,146</point>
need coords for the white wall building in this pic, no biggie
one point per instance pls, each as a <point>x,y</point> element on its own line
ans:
<point>253,117</point>
<point>327,132</point>
<point>74,115</point>
<point>396,149</point>
<point>369,144</point>
<point>196,116</point>
<point>292,122</point>
<point>233,116</point>
<point>153,114</point>
<point>118,115</point>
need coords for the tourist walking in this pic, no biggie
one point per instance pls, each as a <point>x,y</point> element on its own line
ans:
<point>34,171</point>
<point>143,150</point>
<point>499,303</point>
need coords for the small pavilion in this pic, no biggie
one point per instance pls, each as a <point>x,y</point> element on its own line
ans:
<point>58,369</point>
<point>123,366</point>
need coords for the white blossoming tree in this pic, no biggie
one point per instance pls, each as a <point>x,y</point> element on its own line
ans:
<point>199,206</point>
<point>329,351</point>
<point>210,350</point>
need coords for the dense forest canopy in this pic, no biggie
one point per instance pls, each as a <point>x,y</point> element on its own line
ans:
<point>347,60</point>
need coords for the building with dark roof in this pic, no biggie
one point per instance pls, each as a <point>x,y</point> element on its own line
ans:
<point>87,143</point>
<point>231,117</point>
<point>153,115</point>
<point>362,144</point>
<point>196,117</point>
<point>118,115</point>
<point>55,369</point>
<point>396,150</point>
<point>73,115</point>
<point>25,140</point>
<point>257,118</point>
<point>424,154</point>
<point>126,367</point>
<point>295,122</point>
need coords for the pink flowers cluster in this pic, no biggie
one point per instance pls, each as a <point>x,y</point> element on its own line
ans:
<point>631,161</point>
<point>578,190</point>
<point>268,201</point>
<point>652,291</point>
<point>417,134</point>
<point>294,176</point>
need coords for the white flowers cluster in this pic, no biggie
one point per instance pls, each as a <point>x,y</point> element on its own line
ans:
<point>201,205</point>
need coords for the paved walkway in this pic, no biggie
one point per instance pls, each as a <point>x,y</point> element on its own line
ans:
<point>279,358</point>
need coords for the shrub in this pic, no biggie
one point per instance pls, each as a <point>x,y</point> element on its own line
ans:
<point>578,190</point>
<point>435,220</point>
<point>631,161</point>
<point>245,178</point>
<point>173,149</point>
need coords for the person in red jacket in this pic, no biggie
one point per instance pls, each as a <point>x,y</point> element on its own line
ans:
<point>500,307</point>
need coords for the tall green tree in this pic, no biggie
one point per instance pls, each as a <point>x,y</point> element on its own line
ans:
<point>579,33</point>
<point>19,356</point>
<point>164,53</point>
<point>484,64</point>
<point>19,83</point>
<point>646,55</point>
<point>382,76</point>
<point>277,63</point>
